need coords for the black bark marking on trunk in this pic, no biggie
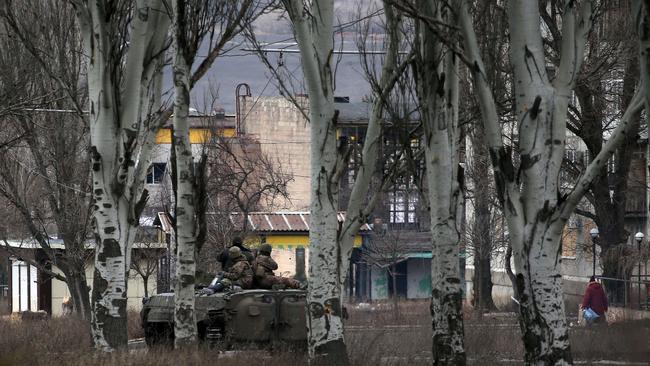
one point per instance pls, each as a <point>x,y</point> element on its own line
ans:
<point>111,249</point>
<point>527,161</point>
<point>476,68</point>
<point>545,213</point>
<point>187,280</point>
<point>114,328</point>
<point>139,207</point>
<point>333,352</point>
<point>503,175</point>
<point>443,351</point>
<point>529,56</point>
<point>535,329</point>
<point>534,110</point>
<point>440,90</point>
<point>316,310</point>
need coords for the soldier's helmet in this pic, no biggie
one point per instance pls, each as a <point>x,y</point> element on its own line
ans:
<point>266,248</point>
<point>234,252</point>
<point>237,241</point>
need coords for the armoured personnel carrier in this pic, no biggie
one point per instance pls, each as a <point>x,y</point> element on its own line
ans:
<point>261,317</point>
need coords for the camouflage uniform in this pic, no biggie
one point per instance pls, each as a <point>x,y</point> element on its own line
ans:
<point>264,266</point>
<point>227,262</point>
<point>240,273</point>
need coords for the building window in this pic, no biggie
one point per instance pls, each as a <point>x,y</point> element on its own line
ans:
<point>156,173</point>
<point>611,164</point>
<point>402,203</point>
<point>24,287</point>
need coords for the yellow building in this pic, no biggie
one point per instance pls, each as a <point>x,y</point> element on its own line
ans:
<point>288,234</point>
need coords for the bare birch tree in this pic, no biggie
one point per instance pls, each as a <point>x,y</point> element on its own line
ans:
<point>124,43</point>
<point>436,77</point>
<point>330,247</point>
<point>193,21</point>
<point>605,87</point>
<point>185,331</point>
<point>535,208</point>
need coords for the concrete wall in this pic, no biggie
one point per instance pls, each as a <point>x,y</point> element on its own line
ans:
<point>286,259</point>
<point>135,291</point>
<point>501,286</point>
<point>418,278</point>
<point>283,134</point>
<point>379,284</point>
<point>573,287</point>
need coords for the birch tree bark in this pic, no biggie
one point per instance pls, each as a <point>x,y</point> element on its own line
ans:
<point>436,77</point>
<point>125,43</point>
<point>313,30</point>
<point>330,248</point>
<point>535,208</point>
<point>185,332</point>
<point>123,84</point>
<point>194,20</point>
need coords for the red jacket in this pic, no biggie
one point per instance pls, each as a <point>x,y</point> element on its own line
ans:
<point>595,298</point>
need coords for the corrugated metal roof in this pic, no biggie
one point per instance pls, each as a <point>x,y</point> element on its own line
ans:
<point>280,221</point>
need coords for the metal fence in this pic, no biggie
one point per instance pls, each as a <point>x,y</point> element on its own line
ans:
<point>632,294</point>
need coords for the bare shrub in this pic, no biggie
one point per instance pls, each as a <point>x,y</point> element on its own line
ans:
<point>195,357</point>
<point>41,342</point>
<point>373,338</point>
<point>382,313</point>
<point>619,341</point>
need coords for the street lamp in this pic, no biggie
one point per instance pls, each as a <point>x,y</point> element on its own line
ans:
<point>594,235</point>
<point>639,238</point>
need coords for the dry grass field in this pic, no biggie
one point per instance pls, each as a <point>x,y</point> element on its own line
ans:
<point>376,335</point>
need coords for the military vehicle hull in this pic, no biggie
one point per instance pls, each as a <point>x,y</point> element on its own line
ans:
<point>261,317</point>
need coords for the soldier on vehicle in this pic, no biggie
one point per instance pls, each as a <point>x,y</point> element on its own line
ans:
<point>240,273</point>
<point>264,266</point>
<point>227,262</point>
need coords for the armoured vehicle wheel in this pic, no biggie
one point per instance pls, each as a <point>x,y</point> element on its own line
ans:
<point>159,334</point>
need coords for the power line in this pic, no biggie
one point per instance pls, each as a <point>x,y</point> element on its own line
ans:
<point>337,28</point>
<point>336,52</point>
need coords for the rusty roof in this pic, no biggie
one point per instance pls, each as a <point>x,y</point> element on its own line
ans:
<point>294,221</point>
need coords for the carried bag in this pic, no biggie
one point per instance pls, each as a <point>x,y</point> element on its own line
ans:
<point>590,315</point>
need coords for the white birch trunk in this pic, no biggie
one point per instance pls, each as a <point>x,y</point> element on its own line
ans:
<point>437,89</point>
<point>118,163</point>
<point>536,212</point>
<point>313,30</point>
<point>185,332</point>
